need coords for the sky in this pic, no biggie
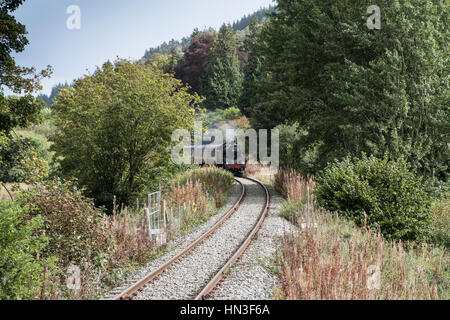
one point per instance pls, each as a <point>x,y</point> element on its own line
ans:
<point>113,28</point>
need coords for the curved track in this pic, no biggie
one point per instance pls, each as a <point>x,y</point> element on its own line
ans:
<point>139,288</point>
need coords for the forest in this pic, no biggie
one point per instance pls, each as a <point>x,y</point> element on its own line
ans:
<point>363,113</point>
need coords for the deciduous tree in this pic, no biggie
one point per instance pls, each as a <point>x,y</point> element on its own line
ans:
<point>115,126</point>
<point>354,89</point>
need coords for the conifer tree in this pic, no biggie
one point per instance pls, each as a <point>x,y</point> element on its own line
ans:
<point>222,84</point>
<point>253,71</point>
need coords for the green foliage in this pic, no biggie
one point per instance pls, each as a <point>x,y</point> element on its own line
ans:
<point>440,212</point>
<point>222,83</point>
<point>378,193</point>
<point>22,159</point>
<point>13,40</point>
<point>231,113</point>
<point>49,99</point>
<point>254,71</point>
<point>294,153</point>
<point>15,111</point>
<point>160,61</point>
<point>21,270</point>
<point>291,209</point>
<point>19,112</point>
<point>358,90</point>
<point>257,16</point>
<point>115,127</point>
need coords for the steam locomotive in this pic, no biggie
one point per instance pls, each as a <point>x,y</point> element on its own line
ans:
<point>236,164</point>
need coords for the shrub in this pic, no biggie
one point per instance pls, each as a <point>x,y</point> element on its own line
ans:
<point>377,192</point>
<point>242,123</point>
<point>440,211</point>
<point>294,151</point>
<point>18,151</point>
<point>291,210</point>
<point>75,228</point>
<point>131,240</point>
<point>21,268</point>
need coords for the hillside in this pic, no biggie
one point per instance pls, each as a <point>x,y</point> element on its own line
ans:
<point>181,45</point>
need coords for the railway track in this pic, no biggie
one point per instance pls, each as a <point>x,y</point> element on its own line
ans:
<point>196,271</point>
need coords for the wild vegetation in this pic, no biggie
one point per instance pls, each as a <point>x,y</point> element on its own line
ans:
<point>336,259</point>
<point>363,118</point>
<point>116,147</point>
<point>52,227</point>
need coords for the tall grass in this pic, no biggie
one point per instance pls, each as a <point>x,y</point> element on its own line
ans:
<point>292,185</point>
<point>338,261</point>
<point>214,182</point>
<point>335,259</point>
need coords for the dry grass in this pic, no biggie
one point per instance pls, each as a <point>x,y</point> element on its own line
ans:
<point>292,185</point>
<point>335,260</point>
<point>188,205</point>
<point>260,172</point>
<point>338,261</point>
<point>132,243</point>
<point>184,205</point>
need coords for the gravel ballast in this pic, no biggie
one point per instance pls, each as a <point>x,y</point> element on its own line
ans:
<point>251,278</point>
<point>177,245</point>
<point>187,277</point>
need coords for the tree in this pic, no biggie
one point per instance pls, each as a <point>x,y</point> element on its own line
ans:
<point>253,71</point>
<point>49,99</point>
<point>115,127</point>
<point>358,90</point>
<point>160,61</point>
<point>222,84</point>
<point>192,69</point>
<point>15,111</point>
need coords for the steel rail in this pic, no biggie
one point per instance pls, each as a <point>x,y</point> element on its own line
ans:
<point>132,290</point>
<point>238,253</point>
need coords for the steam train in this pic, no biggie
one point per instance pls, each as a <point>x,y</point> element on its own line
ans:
<point>236,164</point>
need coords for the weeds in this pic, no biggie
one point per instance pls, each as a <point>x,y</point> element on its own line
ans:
<point>337,260</point>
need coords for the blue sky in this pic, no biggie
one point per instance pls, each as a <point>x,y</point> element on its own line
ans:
<point>114,28</point>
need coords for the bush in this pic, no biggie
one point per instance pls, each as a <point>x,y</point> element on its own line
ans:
<point>291,210</point>
<point>440,211</point>
<point>75,228</point>
<point>379,193</point>
<point>292,185</point>
<point>13,155</point>
<point>294,152</point>
<point>21,269</point>
<point>227,114</point>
